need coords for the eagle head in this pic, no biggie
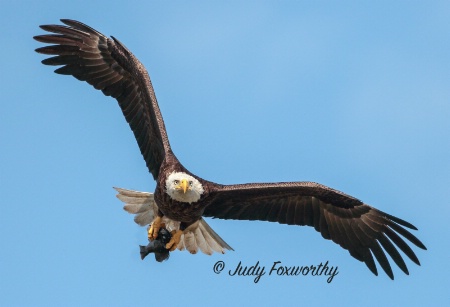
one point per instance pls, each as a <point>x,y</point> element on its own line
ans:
<point>183,187</point>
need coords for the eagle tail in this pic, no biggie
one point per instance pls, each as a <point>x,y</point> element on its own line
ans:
<point>142,204</point>
<point>201,236</point>
<point>197,236</point>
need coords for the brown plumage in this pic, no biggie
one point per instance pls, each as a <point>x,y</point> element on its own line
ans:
<point>110,67</point>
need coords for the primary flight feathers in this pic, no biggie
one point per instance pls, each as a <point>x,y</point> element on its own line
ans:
<point>108,66</point>
<point>182,199</point>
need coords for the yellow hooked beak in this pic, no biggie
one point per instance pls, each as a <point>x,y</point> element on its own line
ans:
<point>184,185</point>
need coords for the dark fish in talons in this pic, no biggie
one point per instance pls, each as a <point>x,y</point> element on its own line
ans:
<point>157,246</point>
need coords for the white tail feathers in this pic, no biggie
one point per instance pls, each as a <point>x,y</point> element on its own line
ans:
<point>201,236</point>
<point>197,236</point>
<point>140,203</point>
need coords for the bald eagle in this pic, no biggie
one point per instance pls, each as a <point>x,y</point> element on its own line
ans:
<point>181,199</point>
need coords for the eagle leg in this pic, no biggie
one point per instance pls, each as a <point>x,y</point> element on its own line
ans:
<point>176,237</point>
<point>154,228</point>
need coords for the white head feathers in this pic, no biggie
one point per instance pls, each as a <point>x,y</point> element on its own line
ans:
<point>174,187</point>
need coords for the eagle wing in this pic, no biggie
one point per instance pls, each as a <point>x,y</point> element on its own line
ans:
<point>110,67</point>
<point>355,226</point>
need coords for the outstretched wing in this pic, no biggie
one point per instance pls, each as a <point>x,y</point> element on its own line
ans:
<point>355,226</point>
<point>110,67</point>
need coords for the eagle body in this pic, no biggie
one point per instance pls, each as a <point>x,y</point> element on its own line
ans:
<point>182,200</point>
<point>184,212</point>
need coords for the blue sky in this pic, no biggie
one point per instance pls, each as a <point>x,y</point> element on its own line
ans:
<point>354,95</point>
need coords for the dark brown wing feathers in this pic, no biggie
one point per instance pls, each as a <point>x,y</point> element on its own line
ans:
<point>110,67</point>
<point>362,230</point>
<point>107,65</point>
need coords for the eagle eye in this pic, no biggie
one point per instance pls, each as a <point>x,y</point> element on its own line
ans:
<point>190,183</point>
<point>176,182</point>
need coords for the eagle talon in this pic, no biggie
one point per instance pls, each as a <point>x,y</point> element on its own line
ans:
<point>154,228</point>
<point>173,243</point>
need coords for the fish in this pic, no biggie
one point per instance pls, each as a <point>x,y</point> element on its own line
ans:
<point>157,246</point>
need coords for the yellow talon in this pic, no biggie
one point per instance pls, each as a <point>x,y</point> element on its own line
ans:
<point>176,237</point>
<point>154,228</point>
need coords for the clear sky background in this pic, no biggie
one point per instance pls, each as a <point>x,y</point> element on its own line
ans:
<point>352,94</point>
